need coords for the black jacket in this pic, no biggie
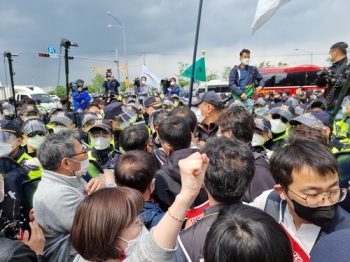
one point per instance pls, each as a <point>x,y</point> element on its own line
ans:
<point>168,181</point>
<point>337,68</point>
<point>15,251</point>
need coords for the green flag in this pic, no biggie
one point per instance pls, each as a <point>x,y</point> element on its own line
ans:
<point>199,73</point>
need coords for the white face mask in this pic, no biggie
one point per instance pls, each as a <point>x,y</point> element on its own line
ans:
<point>143,82</point>
<point>277,126</point>
<point>198,114</point>
<point>132,244</point>
<point>84,166</point>
<point>172,83</point>
<point>258,140</point>
<point>30,117</point>
<point>6,149</point>
<point>100,143</point>
<point>245,61</point>
<point>58,129</point>
<point>36,141</point>
<point>219,135</point>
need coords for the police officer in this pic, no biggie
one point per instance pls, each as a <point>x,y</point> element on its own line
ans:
<point>62,120</point>
<point>101,137</point>
<point>262,134</point>
<point>34,134</point>
<point>8,111</point>
<point>27,112</point>
<point>341,126</point>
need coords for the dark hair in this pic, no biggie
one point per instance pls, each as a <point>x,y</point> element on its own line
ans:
<point>134,137</point>
<point>173,78</point>
<point>245,233</point>
<point>239,121</point>
<point>186,114</point>
<point>135,169</point>
<point>158,116</point>
<point>99,220</point>
<point>306,132</point>
<point>244,51</point>
<point>341,47</point>
<point>301,153</point>
<point>93,104</point>
<point>28,101</point>
<point>63,100</point>
<point>176,132</point>
<point>230,170</point>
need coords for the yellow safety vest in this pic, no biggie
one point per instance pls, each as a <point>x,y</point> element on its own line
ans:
<point>33,173</point>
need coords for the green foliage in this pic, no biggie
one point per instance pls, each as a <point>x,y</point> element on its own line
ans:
<point>265,64</point>
<point>182,81</point>
<point>122,87</point>
<point>96,82</point>
<point>60,91</point>
<point>226,73</point>
<point>211,75</point>
<point>282,64</point>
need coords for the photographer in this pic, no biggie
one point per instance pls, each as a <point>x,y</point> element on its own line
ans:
<point>165,85</point>
<point>173,88</point>
<point>334,76</point>
<point>110,83</point>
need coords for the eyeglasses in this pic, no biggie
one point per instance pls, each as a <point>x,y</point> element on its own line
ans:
<point>39,133</point>
<point>139,223</point>
<point>81,153</point>
<point>316,200</point>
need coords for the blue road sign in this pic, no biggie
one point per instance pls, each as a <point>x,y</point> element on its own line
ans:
<point>51,50</point>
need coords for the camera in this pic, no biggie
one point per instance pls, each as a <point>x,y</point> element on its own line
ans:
<point>137,82</point>
<point>165,82</point>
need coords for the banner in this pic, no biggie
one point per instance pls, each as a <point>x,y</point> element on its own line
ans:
<point>199,73</point>
<point>264,11</point>
<point>152,79</point>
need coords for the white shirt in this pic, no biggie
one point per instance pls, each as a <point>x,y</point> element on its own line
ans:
<point>306,235</point>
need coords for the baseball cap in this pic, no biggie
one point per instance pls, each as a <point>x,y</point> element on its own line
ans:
<point>260,101</point>
<point>283,110</point>
<point>234,102</point>
<point>28,109</point>
<point>346,101</point>
<point>263,124</point>
<point>262,112</point>
<point>210,97</point>
<point>291,101</point>
<point>87,117</point>
<point>324,117</point>
<point>101,124</point>
<point>63,117</point>
<point>307,119</point>
<point>10,126</point>
<point>8,109</point>
<point>153,101</point>
<point>299,110</point>
<point>318,102</point>
<point>32,125</point>
<point>53,111</point>
<point>113,110</point>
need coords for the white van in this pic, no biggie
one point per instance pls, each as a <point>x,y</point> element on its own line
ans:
<point>215,85</point>
<point>57,100</point>
<point>35,93</point>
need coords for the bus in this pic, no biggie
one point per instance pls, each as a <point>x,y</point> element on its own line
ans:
<point>290,78</point>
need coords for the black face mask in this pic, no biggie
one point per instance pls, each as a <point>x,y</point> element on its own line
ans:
<point>319,216</point>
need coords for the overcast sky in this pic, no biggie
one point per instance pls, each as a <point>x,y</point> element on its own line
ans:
<point>165,31</point>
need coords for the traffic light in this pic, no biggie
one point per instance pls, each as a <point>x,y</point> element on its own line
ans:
<point>44,55</point>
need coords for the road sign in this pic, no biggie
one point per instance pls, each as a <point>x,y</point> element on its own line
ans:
<point>53,56</point>
<point>51,50</point>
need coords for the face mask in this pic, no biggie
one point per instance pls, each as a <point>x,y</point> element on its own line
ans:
<point>172,83</point>
<point>99,116</point>
<point>176,104</point>
<point>198,114</point>
<point>35,142</point>
<point>143,82</point>
<point>245,61</point>
<point>277,126</point>
<point>58,129</point>
<point>100,143</point>
<point>2,190</point>
<point>6,149</point>
<point>258,140</point>
<point>84,166</point>
<point>319,216</point>
<point>30,117</point>
<point>219,135</point>
<point>132,244</point>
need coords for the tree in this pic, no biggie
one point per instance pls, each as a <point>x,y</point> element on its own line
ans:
<point>264,64</point>
<point>211,75</point>
<point>182,81</point>
<point>97,81</point>
<point>282,64</point>
<point>60,91</point>
<point>226,73</point>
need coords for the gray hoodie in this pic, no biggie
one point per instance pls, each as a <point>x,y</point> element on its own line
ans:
<point>55,202</point>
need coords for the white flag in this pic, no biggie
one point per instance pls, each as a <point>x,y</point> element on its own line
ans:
<point>265,10</point>
<point>152,79</point>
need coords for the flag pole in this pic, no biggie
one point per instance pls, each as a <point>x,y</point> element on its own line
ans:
<point>194,53</point>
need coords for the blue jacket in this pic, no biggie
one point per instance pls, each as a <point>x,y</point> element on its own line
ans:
<point>151,214</point>
<point>80,100</point>
<point>253,74</point>
<point>175,90</point>
<point>111,85</point>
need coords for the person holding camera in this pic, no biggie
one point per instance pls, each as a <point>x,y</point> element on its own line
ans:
<point>173,88</point>
<point>110,83</point>
<point>334,75</point>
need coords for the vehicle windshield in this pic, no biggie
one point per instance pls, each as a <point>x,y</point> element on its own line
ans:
<point>44,98</point>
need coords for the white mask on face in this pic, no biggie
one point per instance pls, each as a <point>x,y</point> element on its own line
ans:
<point>219,135</point>
<point>143,82</point>
<point>258,140</point>
<point>6,149</point>
<point>132,244</point>
<point>58,129</point>
<point>198,114</point>
<point>100,143</point>
<point>36,141</point>
<point>84,166</point>
<point>172,83</point>
<point>277,126</point>
<point>245,61</point>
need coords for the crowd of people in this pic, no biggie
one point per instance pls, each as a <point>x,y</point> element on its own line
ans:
<point>249,177</point>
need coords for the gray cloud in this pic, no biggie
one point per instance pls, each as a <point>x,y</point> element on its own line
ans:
<point>165,30</point>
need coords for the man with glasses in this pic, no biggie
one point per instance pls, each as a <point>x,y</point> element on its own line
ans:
<point>61,189</point>
<point>307,194</point>
<point>34,134</point>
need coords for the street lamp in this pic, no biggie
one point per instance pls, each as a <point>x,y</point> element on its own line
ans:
<point>310,53</point>
<point>120,25</point>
